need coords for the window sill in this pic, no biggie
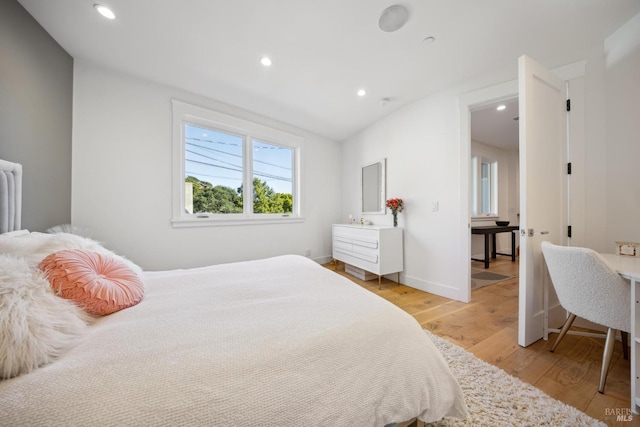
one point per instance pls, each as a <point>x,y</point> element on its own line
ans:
<point>222,222</point>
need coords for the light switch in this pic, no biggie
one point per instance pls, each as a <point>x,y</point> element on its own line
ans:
<point>434,206</point>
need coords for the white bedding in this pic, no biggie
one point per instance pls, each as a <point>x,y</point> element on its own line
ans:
<point>275,342</point>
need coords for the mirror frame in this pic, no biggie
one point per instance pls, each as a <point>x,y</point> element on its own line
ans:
<point>381,189</point>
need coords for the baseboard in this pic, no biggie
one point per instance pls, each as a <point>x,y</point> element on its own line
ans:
<point>323,259</point>
<point>434,288</point>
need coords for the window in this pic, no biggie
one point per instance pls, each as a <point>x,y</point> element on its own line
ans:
<point>272,178</point>
<point>484,175</point>
<point>229,170</point>
<point>213,171</point>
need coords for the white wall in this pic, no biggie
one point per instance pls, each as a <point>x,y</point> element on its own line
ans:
<point>622,64</point>
<point>121,180</point>
<point>422,145</point>
<point>508,196</point>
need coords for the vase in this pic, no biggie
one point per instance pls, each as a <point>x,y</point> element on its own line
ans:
<point>395,218</point>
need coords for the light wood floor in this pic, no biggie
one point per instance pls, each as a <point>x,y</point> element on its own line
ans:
<point>488,328</point>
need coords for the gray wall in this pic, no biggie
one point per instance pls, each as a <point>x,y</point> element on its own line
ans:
<point>36,88</point>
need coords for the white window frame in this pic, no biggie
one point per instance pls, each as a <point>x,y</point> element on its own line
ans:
<point>184,114</point>
<point>476,185</point>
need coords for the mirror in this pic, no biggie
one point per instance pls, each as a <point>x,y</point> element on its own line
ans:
<point>374,187</point>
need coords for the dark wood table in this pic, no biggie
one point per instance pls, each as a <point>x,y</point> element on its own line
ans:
<point>490,231</point>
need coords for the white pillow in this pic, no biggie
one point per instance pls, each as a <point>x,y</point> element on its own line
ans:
<point>36,326</point>
<point>14,233</point>
<point>35,247</point>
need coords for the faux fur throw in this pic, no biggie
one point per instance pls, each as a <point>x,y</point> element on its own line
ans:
<point>36,326</point>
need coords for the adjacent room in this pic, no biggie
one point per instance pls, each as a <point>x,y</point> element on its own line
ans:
<point>319,213</point>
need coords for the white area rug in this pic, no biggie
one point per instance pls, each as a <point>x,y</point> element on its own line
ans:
<point>495,398</point>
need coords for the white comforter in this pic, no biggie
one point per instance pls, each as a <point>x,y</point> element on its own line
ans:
<point>275,342</point>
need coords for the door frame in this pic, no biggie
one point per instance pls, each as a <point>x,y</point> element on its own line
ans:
<point>467,102</point>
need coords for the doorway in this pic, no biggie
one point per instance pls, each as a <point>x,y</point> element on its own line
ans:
<point>573,76</point>
<point>472,103</point>
<point>494,181</point>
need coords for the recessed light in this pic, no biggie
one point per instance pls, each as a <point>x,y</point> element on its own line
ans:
<point>501,107</point>
<point>266,61</point>
<point>361,92</point>
<point>105,11</point>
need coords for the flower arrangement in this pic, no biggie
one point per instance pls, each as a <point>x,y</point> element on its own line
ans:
<point>396,205</point>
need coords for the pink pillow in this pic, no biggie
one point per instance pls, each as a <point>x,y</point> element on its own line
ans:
<point>98,283</point>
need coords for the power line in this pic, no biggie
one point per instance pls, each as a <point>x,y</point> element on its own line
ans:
<point>213,149</point>
<point>213,142</point>
<point>211,176</point>
<point>255,173</point>
<point>214,159</point>
<point>235,155</point>
<point>236,168</point>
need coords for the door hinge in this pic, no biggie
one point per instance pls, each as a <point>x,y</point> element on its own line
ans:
<point>568,105</point>
<point>569,231</point>
<point>569,168</point>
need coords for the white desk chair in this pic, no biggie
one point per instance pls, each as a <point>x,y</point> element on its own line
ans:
<point>587,286</point>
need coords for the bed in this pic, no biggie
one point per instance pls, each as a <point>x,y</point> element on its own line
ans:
<point>281,341</point>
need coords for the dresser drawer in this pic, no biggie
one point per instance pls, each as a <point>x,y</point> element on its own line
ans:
<point>371,257</point>
<point>359,241</point>
<point>372,248</point>
<point>361,232</point>
<point>342,245</point>
<point>364,242</point>
<point>364,261</point>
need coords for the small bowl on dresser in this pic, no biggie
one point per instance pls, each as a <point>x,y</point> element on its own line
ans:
<point>502,223</point>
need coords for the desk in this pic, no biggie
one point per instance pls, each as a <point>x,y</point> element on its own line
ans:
<point>491,231</point>
<point>629,268</point>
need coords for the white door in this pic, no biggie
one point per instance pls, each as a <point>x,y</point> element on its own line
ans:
<point>542,188</point>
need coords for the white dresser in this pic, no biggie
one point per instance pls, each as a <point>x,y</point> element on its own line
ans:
<point>377,249</point>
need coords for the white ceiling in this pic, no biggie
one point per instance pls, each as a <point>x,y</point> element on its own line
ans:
<point>324,51</point>
<point>496,128</point>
